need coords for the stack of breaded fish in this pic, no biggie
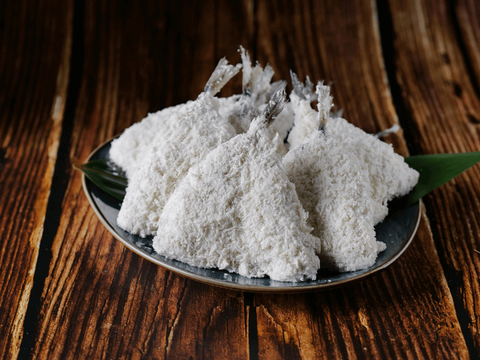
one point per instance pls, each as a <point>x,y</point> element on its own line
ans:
<point>258,185</point>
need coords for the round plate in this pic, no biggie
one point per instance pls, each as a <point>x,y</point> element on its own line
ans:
<point>397,231</point>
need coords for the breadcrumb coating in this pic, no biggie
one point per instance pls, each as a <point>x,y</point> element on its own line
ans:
<point>333,187</point>
<point>191,133</point>
<point>237,211</point>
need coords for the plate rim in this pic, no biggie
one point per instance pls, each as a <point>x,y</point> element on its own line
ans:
<point>236,286</point>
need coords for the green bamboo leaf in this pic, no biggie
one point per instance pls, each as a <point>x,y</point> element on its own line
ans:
<point>435,170</point>
<point>105,176</point>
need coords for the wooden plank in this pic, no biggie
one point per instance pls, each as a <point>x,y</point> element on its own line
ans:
<point>34,68</point>
<point>397,314</point>
<point>100,300</point>
<point>439,92</point>
<point>407,311</point>
<point>467,18</point>
<point>312,41</point>
<point>467,15</point>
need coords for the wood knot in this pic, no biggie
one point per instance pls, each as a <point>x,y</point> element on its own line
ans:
<point>457,90</point>
<point>3,158</point>
<point>473,119</point>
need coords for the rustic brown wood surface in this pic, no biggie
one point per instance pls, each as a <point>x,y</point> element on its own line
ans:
<point>444,107</point>
<point>34,66</point>
<point>74,74</point>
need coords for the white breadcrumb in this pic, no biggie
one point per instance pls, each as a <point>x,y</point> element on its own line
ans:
<point>227,104</point>
<point>256,80</point>
<point>389,174</point>
<point>333,187</point>
<point>257,90</point>
<point>344,179</point>
<point>130,148</point>
<point>305,121</point>
<point>134,144</point>
<point>325,103</point>
<point>237,211</point>
<point>240,113</point>
<point>207,178</point>
<point>188,136</point>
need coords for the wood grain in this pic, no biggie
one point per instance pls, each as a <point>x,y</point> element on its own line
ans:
<point>100,300</point>
<point>79,73</point>
<point>398,314</point>
<point>34,68</point>
<point>467,15</point>
<point>329,42</point>
<point>438,91</point>
<point>384,316</point>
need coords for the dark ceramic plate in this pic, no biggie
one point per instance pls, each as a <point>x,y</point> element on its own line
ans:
<point>397,231</point>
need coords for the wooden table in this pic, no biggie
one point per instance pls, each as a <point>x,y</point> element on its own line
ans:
<point>74,74</point>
